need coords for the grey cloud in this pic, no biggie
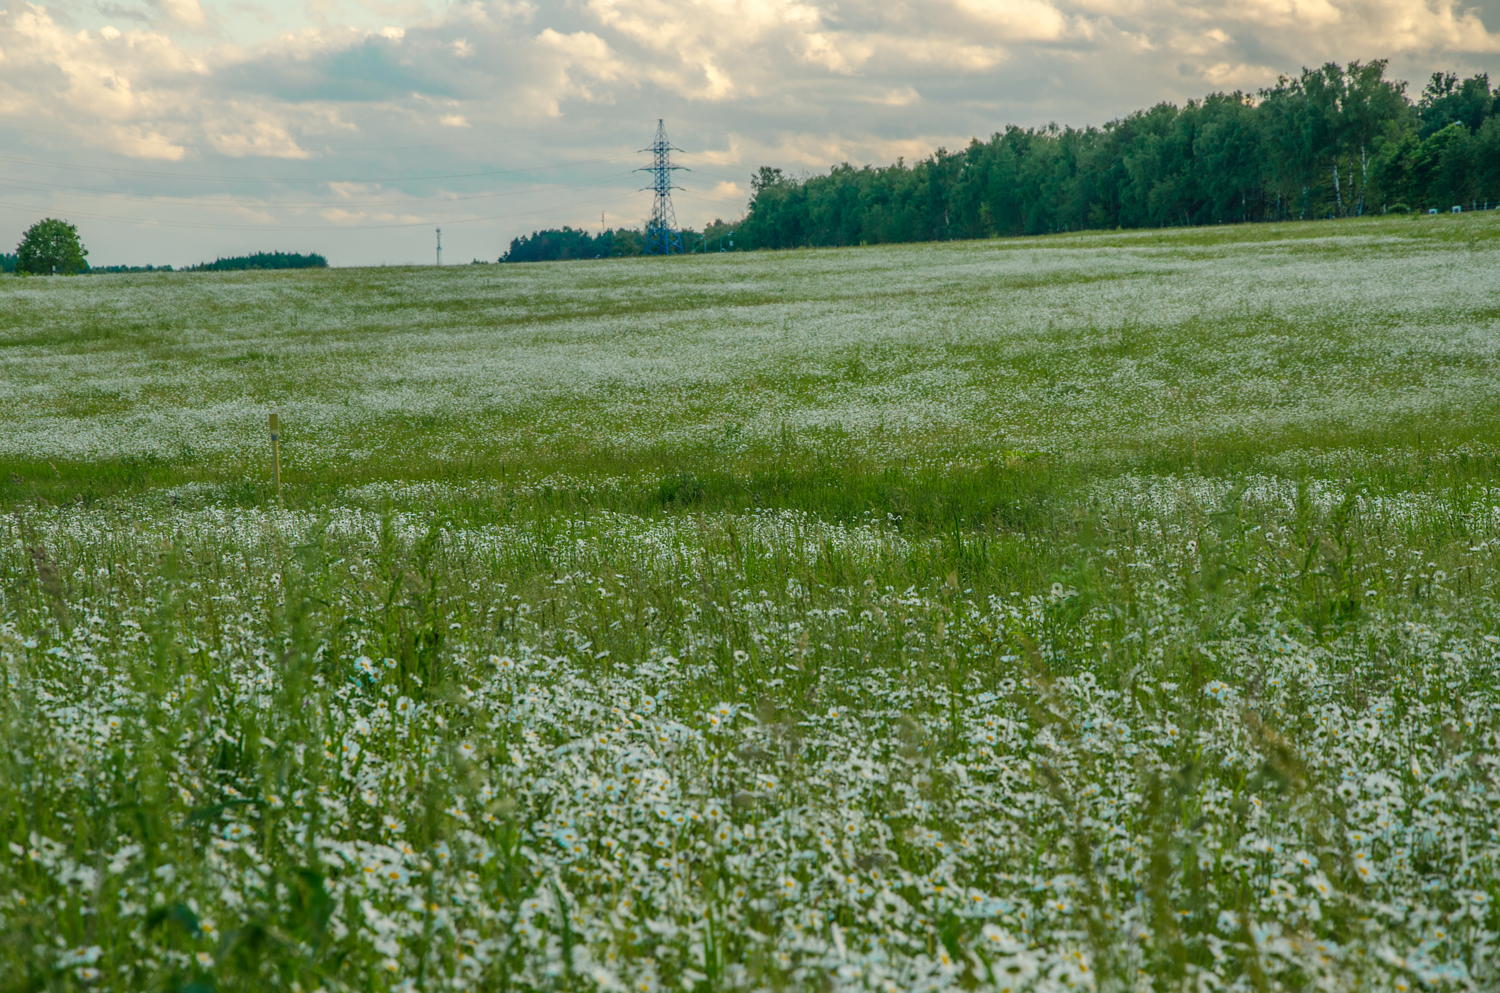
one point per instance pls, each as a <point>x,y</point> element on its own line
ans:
<point>374,69</point>
<point>550,102</point>
<point>121,12</point>
<point>1489,12</point>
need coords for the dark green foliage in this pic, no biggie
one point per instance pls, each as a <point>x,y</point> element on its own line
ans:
<point>264,260</point>
<point>1336,141</point>
<point>7,262</point>
<point>51,247</point>
<point>131,268</point>
<point>554,245</point>
<point>1446,101</point>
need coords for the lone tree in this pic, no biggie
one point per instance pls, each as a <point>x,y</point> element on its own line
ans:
<point>51,246</point>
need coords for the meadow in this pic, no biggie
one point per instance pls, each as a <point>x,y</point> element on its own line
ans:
<point>1111,611</point>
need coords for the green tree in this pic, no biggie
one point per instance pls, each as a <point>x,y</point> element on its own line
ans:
<point>1446,101</point>
<point>1228,154</point>
<point>1487,154</point>
<point>1394,171</point>
<point>51,246</point>
<point>1447,164</point>
<point>1370,102</point>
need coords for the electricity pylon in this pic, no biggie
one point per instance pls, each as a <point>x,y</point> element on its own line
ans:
<point>662,236</point>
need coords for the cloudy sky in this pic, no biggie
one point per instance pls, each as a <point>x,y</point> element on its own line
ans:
<point>171,131</point>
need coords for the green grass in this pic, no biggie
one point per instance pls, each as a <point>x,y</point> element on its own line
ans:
<point>1110,611</point>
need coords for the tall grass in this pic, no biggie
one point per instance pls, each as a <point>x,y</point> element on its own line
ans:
<point>1158,706</point>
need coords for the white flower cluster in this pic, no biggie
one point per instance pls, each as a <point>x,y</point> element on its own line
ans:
<point>1095,344</point>
<point>847,786</point>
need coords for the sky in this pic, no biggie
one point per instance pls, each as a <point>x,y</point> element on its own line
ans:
<point>176,131</point>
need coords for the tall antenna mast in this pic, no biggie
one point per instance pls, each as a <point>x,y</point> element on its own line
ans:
<point>440,246</point>
<point>662,236</point>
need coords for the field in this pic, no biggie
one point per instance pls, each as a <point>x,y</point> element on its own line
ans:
<point>1093,612</point>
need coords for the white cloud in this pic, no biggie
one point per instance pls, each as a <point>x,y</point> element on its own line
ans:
<point>1239,76</point>
<point>536,110</point>
<point>1017,20</point>
<point>904,97</point>
<point>581,62</point>
<point>237,132</point>
<point>182,13</point>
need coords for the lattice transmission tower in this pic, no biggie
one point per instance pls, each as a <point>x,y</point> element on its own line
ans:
<point>662,236</point>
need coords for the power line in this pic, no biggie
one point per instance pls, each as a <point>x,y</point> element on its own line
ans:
<point>289,182</point>
<point>266,203</point>
<point>709,196</point>
<point>31,208</point>
<point>353,148</point>
<point>663,218</point>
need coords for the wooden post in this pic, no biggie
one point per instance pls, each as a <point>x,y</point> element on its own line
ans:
<point>276,453</point>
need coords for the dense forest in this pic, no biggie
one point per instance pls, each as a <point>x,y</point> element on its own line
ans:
<point>556,245</point>
<point>129,268</point>
<point>572,243</point>
<point>1333,142</point>
<point>263,260</point>
<point>1336,141</point>
<point>260,260</point>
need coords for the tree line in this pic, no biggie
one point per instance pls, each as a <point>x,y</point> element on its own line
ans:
<point>263,260</point>
<point>52,247</point>
<point>1337,141</point>
<point>562,244</point>
<point>234,263</point>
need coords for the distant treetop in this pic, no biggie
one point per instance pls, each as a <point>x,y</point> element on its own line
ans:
<point>51,246</point>
<point>570,243</point>
<point>264,260</point>
<point>1333,141</point>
